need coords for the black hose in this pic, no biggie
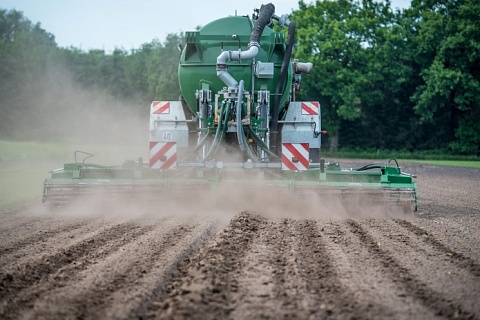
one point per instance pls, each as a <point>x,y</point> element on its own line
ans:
<point>218,133</point>
<point>368,167</point>
<point>264,16</point>
<point>281,81</point>
<point>260,143</point>
<point>224,129</point>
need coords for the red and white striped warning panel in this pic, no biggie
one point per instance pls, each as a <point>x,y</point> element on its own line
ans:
<point>295,156</point>
<point>311,108</point>
<point>160,107</point>
<point>163,155</point>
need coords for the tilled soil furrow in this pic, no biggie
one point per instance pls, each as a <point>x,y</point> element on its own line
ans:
<point>403,277</point>
<point>19,220</point>
<point>40,236</point>
<point>426,263</point>
<point>290,288</point>
<point>18,230</point>
<point>103,297</point>
<point>456,230</point>
<point>49,246</point>
<point>53,270</point>
<point>363,276</point>
<point>268,286</point>
<point>125,283</point>
<point>317,266</point>
<point>205,289</point>
<point>139,299</point>
<point>455,257</point>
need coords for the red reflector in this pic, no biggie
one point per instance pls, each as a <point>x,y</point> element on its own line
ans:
<point>323,132</point>
<point>295,159</point>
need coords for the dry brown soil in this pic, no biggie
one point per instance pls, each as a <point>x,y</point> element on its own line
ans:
<point>135,263</point>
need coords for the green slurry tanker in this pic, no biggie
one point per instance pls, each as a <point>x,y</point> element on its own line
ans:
<point>237,132</point>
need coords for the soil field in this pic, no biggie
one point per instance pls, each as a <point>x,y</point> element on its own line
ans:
<point>139,263</point>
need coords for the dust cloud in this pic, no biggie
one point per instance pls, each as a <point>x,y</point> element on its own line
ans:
<point>58,109</point>
<point>316,203</point>
<point>244,190</point>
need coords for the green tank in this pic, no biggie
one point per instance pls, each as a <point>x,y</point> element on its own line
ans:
<point>199,58</point>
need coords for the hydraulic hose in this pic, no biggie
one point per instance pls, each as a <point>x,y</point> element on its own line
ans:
<point>240,133</point>
<point>368,167</point>
<point>222,125</point>
<point>217,133</point>
<point>250,152</point>
<point>281,81</point>
<point>260,142</point>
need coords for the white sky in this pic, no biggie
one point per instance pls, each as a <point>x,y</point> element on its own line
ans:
<point>110,24</point>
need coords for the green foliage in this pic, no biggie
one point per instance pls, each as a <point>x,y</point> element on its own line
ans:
<point>26,51</point>
<point>445,42</point>
<point>468,136</point>
<point>362,74</point>
<point>404,79</point>
<point>328,35</point>
<point>140,76</point>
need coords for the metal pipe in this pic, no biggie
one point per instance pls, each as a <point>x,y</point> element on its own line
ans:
<point>227,56</point>
<point>266,13</point>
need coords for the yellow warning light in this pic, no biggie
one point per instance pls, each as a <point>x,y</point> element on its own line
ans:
<point>250,140</point>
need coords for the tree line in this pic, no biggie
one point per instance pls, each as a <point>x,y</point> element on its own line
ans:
<point>386,79</point>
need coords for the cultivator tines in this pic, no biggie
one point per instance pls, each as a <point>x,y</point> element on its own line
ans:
<point>386,190</point>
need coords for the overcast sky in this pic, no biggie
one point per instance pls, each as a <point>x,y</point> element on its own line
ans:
<point>110,24</point>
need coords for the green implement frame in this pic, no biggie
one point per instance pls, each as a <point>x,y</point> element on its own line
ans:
<point>380,184</point>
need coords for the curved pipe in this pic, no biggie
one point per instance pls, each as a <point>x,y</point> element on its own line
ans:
<point>266,13</point>
<point>227,56</point>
